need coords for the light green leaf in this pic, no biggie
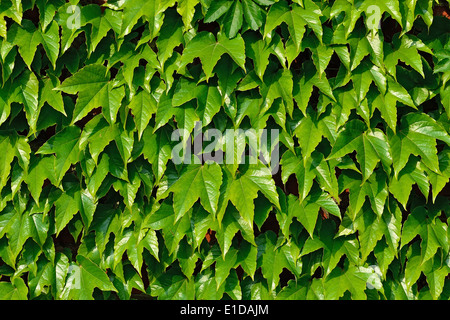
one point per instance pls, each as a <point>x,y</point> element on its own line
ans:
<point>143,106</point>
<point>65,146</point>
<point>244,190</point>
<point>198,181</point>
<point>91,84</point>
<point>205,46</point>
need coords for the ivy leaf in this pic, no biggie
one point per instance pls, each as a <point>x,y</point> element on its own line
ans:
<point>134,10</point>
<point>296,18</point>
<point>244,190</point>
<point>278,85</point>
<point>254,15</point>
<point>217,9</point>
<point>309,135</point>
<point>375,188</point>
<point>21,229</point>
<point>97,134</point>
<point>171,36</point>
<point>272,261</point>
<point>52,97</point>
<point>65,208</point>
<point>29,94</point>
<point>89,277</point>
<point>27,38</point>
<point>401,186</point>
<point>439,181</point>
<point>186,9</point>
<point>209,103</point>
<point>91,84</point>
<point>174,285</point>
<point>321,53</point>
<point>209,99</point>
<point>204,182</point>
<point>100,23</point>
<point>303,87</point>
<point>65,146</point>
<point>157,150</point>
<point>307,211</point>
<point>417,136</point>
<point>435,274</point>
<point>111,102</point>
<point>50,42</point>
<point>407,51</point>
<point>39,170</point>
<point>205,46</point>
<point>370,230</point>
<point>371,146</point>
<point>303,170</point>
<point>233,19</point>
<point>6,158</point>
<point>17,290</point>
<point>143,106</point>
<point>333,248</point>
<point>259,51</point>
<point>352,278</point>
<point>433,233</point>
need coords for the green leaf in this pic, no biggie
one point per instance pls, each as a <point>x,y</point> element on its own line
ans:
<point>27,38</point>
<point>143,106</point>
<point>186,9</point>
<point>22,228</point>
<point>303,87</point>
<point>307,211</point>
<point>14,291</point>
<point>278,85</point>
<point>321,53</point>
<point>65,208</point>
<point>157,150</point>
<point>65,146</point>
<point>401,186</point>
<point>91,276</point>
<point>174,285</point>
<point>171,36</point>
<point>6,158</point>
<point>370,146</point>
<point>52,97</point>
<point>233,19</point>
<point>244,190</point>
<point>205,46</point>
<point>97,134</point>
<point>217,9</point>
<point>134,10</point>
<point>50,41</point>
<point>254,15</point>
<point>309,135</point>
<point>91,84</point>
<point>436,274</point>
<point>303,170</point>
<point>417,136</point>
<point>39,170</point>
<point>296,18</point>
<point>198,181</point>
<point>29,86</point>
<point>272,260</point>
<point>352,279</point>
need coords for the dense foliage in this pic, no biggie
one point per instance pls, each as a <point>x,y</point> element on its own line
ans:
<point>92,204</point>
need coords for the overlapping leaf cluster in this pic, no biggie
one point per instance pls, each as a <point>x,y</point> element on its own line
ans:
<point>92,206</point>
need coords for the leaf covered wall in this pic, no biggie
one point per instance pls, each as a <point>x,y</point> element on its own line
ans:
<point>317,162</point>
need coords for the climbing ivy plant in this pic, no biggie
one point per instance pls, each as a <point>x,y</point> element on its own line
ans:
<point>348,199</point>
